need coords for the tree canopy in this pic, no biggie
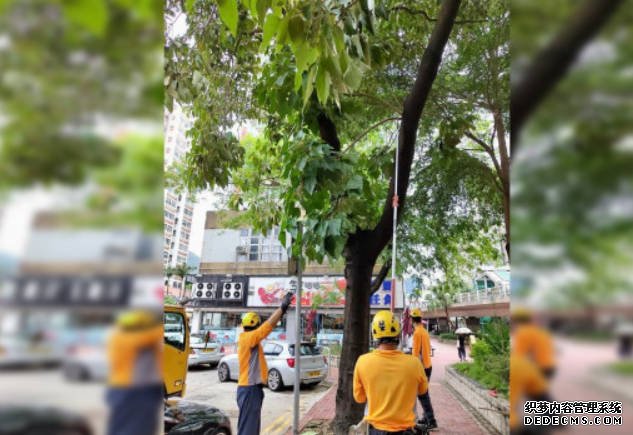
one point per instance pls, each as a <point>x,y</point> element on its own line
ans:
<point>571,178</point>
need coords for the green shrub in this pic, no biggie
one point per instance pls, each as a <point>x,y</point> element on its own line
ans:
<point>624,368</point>
<point>491,358</point>
<point>448,336</point>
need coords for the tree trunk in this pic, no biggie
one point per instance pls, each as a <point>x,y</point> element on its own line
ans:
<point>358,271</point>
<point>505,173</point>
<point>363,247</point>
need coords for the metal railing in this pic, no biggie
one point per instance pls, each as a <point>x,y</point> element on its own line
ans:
<point>483,296</point>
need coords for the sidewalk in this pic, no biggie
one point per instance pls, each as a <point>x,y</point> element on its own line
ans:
<point>452,417</point>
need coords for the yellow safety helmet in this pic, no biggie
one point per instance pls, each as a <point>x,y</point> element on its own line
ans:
<point>385,325</point>
<point>416,312</point>
<point>521,314</point>
<point>133,319</point>
<point>250,320</point>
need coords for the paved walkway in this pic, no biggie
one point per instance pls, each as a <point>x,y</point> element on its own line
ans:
<point>452,417</point>
<point>578,378</point>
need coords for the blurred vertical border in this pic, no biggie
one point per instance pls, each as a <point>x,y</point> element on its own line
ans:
<point>81,198</point>
<point>572,191</point>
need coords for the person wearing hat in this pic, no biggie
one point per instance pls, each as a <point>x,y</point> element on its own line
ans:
<point>135,379</point>
<point>253,370</point>
<point>388,380</point>
<point>422,351</point>
<point>532,341</point>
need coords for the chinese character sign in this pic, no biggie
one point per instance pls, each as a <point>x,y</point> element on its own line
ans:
<point>328,292</point>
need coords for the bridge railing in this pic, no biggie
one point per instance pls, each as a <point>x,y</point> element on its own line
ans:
<point>483,296</point>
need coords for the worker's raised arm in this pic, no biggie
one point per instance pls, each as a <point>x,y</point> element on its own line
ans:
<point>262,332</point>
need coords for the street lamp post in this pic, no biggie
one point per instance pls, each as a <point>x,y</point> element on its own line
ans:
<point>297,384</point>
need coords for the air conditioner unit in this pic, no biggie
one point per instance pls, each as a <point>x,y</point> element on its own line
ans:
<point>232,291</point>
<point>241,250</point>
<point>204,290</point>
<point>210,290</point>
<point>197,291</point>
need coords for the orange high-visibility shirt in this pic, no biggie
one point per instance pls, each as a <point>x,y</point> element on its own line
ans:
<point>534,342</point>
<point>389,381</point>
<point>526,380</point>
<point>422,345</point>
<point>135,357</point>
<point>250,354</point>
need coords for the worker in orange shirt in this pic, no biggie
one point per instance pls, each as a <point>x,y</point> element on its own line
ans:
<point>527,382</point>
<point>253,367</point>
<point>422,351</point>
<point>135,382</point>
<point>388,380</point>
<point>532,341</point>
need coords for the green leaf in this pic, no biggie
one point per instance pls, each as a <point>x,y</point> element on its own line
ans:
<point>309,85</point>
<point>305,55</point>
<point>323,83</point>
<point>189,5</point>
<point>92,16</point>
<point>353,75</point>
<point>262,7</point>
<point>354,183</point>
<point>228,14</point>
<point>295,28</point>
<point>334,227</point>
<point>309,184</point>
<point>270,29</point>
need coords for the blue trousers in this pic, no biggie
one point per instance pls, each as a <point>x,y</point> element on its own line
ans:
<point>249,402</point>
<point>134,410</point>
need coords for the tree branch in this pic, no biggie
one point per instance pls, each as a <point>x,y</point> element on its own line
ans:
<point>422,12</point>
<point>375,285</point>
<point>411,114</point>
<point>364,133</point>
<point>490,150</point>
<point>552,63</point>
<point>327,131</point>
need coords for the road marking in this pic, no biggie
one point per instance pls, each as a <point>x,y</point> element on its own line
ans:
<point>279,425</point>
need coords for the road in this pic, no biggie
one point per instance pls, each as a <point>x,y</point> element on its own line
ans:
<point>203,386</point>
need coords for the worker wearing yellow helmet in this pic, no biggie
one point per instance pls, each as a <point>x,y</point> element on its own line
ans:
<point>135,380</point>
<point>532,341</point>
<point>388,379</point>
<point>422,351</point>
<point>253,368</point>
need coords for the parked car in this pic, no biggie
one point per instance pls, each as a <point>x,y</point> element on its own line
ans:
<point>202,352</point>
<point>280,357</point>
<point>29,350</point>
<point>192,418</point>
<point>86,358</point>
<point>20,420</point>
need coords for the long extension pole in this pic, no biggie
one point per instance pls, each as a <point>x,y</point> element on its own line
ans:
<point>393,237</point>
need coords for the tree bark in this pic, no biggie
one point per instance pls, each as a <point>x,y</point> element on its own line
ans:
<point>358,269</point>
<point>363,248</point>
<point>504,164</point>
<point>552,63</point>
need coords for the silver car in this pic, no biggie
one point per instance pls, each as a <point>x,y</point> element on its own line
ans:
<point>280,357</point>
<point>204,353</point>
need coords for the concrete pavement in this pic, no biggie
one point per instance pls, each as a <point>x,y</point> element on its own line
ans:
<point>452,416</point>
<point>203,386</point>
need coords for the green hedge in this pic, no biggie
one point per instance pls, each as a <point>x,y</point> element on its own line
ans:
<point>623,368</point>
<point>491,358</point>
<point>448,336</point>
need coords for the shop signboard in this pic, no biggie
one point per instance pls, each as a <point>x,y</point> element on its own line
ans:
<point>317,291</point>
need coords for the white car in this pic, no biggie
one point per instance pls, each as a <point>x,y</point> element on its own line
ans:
<point>201,353</point>
<point>280,357</point>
